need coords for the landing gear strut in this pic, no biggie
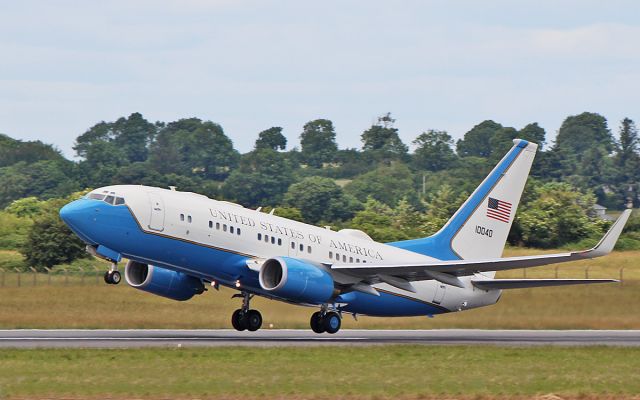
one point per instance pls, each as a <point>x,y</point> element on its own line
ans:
<point>245,318</point>
<point>112,277</point>
<point>325,321</point>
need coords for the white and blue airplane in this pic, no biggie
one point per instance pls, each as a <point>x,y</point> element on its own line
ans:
<point>179,242</point>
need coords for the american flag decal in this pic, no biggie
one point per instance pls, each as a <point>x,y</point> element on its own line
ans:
<point>498,209</point>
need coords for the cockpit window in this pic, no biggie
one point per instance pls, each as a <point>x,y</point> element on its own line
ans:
<point>107,198</point>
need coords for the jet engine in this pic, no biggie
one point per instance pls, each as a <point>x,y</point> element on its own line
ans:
<point>161,281</point>
<point>293,279</point>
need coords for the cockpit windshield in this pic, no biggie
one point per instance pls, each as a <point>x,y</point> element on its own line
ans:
<point>107,197</point>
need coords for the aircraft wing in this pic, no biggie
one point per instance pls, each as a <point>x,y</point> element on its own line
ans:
<point>449,271</point>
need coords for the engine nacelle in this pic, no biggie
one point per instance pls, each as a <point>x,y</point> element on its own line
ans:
<point>292,279</point>
<point>161,281</point>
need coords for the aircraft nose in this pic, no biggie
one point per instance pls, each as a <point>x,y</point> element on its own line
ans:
<point>74,213</point>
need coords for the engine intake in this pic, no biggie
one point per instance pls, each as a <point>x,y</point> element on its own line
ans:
<point>161,281</point>
<point>293,279</point>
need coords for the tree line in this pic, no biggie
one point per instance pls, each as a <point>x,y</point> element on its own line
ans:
<point>385,189</point>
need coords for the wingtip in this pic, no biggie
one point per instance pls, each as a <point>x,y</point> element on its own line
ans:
<point>608,241</point>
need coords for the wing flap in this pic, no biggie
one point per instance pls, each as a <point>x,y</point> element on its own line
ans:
<point>487,284</point>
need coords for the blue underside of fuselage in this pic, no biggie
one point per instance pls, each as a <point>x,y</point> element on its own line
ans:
<point>116,228</point>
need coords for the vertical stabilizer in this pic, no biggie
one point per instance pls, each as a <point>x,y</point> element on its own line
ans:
<point>479,229</point>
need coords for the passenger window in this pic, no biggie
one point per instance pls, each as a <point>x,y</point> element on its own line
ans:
<point>309,249</point>
<point>331,254</point>
<point>231,229</point>
<point>259,236</point>
<point>210,224</point>
<point>337,256</point>
<point>301,247</point>
<point>224,227</point>
<point>279,242</point>
<point>273,240</point>
<point>364,261</point>
<point>351,260</point>
<point>189,218</point>
<point>293,245</point>
<point>181,217</point>
<point>266,238</point>
<point>238,231</point>
<point>119,201</point>
<point>357,260</point>
<point>218,225</point>
<point>344,258</point>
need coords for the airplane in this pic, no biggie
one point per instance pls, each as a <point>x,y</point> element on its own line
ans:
<point>177,243</point>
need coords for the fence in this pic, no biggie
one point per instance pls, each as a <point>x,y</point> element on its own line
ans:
<point>94,276</point>
<point>17,278</point>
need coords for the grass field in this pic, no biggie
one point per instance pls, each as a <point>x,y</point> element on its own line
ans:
<point>416,372</point>
<point>610,306</point>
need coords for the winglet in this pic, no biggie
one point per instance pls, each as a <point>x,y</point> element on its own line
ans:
<point>608,241</point>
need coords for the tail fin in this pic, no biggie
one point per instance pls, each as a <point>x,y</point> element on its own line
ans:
<point>479,229</point>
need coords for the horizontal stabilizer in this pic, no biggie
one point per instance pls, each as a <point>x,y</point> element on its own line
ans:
<point>531,283</point>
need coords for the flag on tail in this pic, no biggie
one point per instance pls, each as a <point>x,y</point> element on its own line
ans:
<point>499,210</point>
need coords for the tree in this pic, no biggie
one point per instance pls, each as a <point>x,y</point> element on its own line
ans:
<point>382,141</point>
<point>318,142</point>
<point>440,207</point>
<point>387,184</point>
<point>262,179</point>
<point>558,215</point>
<point>271,138</point>
<point>193,147</point>
<point>582,132</point>
<point>477,142</point>
<point>376,220</point>
<point>13,151</point>
<point>533,133</point>
<point>627,159</point>
<point>51,242</point>
<point>434,151</point>
<point>320,199</point>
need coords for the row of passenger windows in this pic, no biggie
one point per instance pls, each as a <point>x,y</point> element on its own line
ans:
<point>230,229</point>
<point>344,258</point>
<point>278,241</point>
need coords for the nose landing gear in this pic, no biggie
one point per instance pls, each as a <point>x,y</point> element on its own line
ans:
<point>112,277</point>
<point>244,318</point>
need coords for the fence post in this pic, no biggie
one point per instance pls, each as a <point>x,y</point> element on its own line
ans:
<point>556,272</point>
<point>97,274</point>
<point>82,276</point>
<point>3,272</point>
<point>35,277</point>
<point>621,275</point>
<point>48,275</point>
<point>19,277</point>
<point>586,272</point>
<point>66,276</point>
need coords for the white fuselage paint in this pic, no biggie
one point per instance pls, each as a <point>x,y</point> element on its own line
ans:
<point>319,245</point>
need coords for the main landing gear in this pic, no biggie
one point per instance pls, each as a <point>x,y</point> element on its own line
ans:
<point>245,318</point>
<point>325,321</point>
<point>112,276</point>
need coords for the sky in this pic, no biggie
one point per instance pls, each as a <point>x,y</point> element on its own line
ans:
<point>251,65</point>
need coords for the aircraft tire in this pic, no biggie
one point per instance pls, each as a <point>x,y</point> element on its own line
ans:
<point>115,277</point>
<point>317,322</point>
<point>107,278</point>
<point>332,322</point>
<point>238,320</point>
<point>253,320</point>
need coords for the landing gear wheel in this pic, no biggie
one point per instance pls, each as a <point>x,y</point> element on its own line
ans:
<point>115,277</point>
<point>238,320</point>
<point>112,277</point>
<point>253,320</point>
<point>316,322</point>
<point>332,322</point>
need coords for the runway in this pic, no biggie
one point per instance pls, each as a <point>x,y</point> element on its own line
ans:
<point>99,338</point>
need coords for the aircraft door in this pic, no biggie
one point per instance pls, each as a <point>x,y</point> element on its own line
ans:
<point>156,221</point>
<point>439,295</point>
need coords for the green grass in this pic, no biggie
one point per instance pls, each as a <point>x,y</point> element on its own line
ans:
<point>321,372</point>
